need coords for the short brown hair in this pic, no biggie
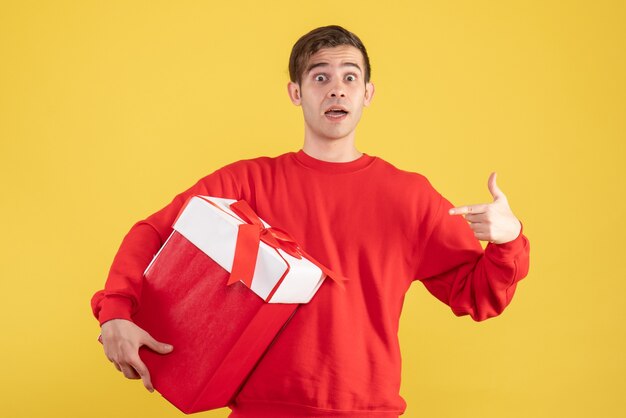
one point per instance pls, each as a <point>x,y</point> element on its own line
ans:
<point>323,37</point>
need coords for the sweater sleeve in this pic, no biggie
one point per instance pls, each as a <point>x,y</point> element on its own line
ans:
<point>121,294</point>
<point>456,270</point>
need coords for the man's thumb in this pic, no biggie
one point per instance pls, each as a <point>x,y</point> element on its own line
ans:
<point>493,187</point>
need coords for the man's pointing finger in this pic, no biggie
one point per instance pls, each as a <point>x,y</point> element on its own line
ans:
<point>464,210</point>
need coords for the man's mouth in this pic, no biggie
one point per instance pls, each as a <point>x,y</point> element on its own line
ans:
<point>336,112</point>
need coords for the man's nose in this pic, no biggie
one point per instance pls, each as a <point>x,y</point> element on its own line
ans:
<point>336,91</point>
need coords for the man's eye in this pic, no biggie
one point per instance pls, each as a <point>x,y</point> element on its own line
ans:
<point>351,77</point>
<point>320,77</point>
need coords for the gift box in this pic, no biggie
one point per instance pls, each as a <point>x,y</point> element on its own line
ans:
<point>220,290</point>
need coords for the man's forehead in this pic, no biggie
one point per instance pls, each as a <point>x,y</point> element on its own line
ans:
<point>339,55</point>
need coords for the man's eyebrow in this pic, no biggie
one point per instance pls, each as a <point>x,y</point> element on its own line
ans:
<point>325,64</point>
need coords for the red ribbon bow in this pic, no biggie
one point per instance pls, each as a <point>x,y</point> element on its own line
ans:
<point>248,239</point>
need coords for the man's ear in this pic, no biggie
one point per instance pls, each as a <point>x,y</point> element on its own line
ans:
<point>294,93</point>
<point>369,94</point>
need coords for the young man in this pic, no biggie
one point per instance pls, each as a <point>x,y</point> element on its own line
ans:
<point>381,227</point>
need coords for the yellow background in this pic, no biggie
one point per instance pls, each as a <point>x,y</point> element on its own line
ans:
<point>109,108</point>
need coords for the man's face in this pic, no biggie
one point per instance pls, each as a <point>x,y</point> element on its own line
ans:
<point>332,93</point>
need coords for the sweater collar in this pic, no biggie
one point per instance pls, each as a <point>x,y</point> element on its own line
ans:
<point>331,167</point>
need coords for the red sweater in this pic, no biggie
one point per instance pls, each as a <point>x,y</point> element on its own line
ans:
<point>379,226</point>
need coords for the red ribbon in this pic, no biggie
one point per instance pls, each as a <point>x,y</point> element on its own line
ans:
<point>248,238</point>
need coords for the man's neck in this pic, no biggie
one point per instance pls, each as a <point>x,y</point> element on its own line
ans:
<point>336,151</point>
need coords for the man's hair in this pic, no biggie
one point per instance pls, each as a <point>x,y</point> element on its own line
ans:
<point>324,37</point>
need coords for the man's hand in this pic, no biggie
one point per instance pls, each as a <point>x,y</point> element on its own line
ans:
<point>493,222</point>
<point>121,340</point>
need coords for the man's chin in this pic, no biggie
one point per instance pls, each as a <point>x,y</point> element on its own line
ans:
<point>333,133</point>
